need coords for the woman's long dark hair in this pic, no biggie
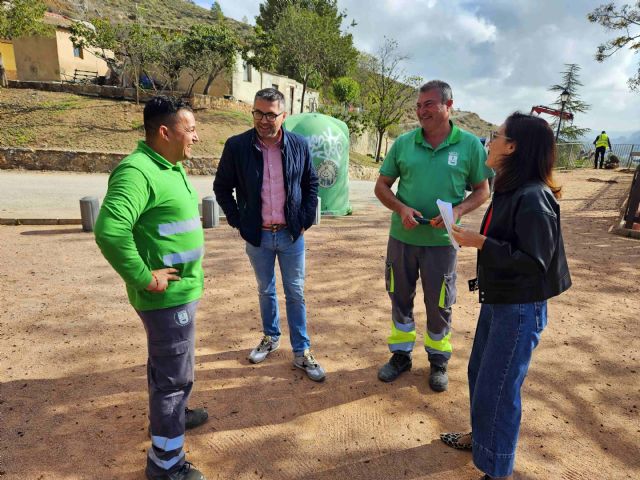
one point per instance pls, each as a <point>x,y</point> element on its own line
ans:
<point>534,156</point>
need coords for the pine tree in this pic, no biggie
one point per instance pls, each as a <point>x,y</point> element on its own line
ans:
<point>570,82</point>
<point>216,12</point>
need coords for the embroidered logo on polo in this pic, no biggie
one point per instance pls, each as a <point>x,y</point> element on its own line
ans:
<point>453,158</point>
<point>182,318</point>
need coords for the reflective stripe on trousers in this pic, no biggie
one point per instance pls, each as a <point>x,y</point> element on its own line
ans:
<point>170,375</point>
<point>435,266</point>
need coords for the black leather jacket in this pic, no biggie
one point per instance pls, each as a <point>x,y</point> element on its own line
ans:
<point>522,259</point>
<point>241,169</point>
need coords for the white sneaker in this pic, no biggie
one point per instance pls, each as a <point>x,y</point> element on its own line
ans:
<point>307,363</point>
<point>266,346</point>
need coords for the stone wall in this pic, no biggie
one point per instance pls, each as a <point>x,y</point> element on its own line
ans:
<point>105,162</point>
<point>366,143</point>
<point>197,101</point>
<point>83,161</point>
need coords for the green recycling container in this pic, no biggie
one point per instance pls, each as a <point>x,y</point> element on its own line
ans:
<point>329,142</point>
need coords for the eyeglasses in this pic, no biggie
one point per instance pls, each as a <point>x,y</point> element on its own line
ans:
<point>258,115</point>
<point>494,135</point>
<point>428,105</point>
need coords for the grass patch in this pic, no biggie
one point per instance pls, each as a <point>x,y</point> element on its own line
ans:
<point>16,136</point>
<point>137,125</point>
<point>235,116</point>
<point>364,160</point>
<point>59,106</point>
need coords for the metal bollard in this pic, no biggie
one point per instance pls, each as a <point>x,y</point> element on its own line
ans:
<point>89,209</point>
<point>210,212</point>
<point>318,214</point>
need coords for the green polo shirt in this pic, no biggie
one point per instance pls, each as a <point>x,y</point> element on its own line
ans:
<point>150,220</point>
<point>426,175</point>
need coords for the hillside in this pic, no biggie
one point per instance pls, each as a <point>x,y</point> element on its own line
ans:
<point>38,119</point>
<point>164,13</point>
<point>628,138</point>
<point>33,118</point>
<point>473,123</point>
<point>470,121</point>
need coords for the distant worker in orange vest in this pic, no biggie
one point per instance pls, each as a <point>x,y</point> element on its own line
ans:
<point>601,143</point>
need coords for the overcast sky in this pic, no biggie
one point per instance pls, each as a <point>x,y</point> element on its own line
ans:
<point>498,55</point>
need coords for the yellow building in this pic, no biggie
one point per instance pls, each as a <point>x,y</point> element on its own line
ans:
<point>54,58</point>
<point>8,59</point>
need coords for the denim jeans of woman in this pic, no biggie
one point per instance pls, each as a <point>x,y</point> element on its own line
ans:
<point>290,257</point>
<point>505,338</point>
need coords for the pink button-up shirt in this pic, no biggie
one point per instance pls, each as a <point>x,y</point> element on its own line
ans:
<point>273,193</point>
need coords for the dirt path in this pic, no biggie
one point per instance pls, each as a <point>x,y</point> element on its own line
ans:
<point>72,363</point>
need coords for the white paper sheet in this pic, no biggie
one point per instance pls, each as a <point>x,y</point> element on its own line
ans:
<point>446,211</point>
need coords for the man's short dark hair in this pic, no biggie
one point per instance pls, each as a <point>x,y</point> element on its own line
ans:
<point>271,95</point>
<point>603,131</point>
<point>443,87</point>
<point>162,110</point>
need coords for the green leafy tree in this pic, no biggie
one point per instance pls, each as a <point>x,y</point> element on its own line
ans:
<point>261,50</point>
<point>211,50</point>
<point>389,91</point>
<point>355,119</point>
<point>104,39</point>
<point>171,58</point>
<point>20,18</point>
<point>625,19</point>
<point>311,49</point>
<point>343,103</point>
<point>132,47</point>
<point>271,11</point>
<point>346,90</point>
<point>570,82</point>
<point>288,31</point>
<point>141,47</point>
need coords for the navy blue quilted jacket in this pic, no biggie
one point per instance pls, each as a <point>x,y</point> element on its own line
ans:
<point>241,169</point>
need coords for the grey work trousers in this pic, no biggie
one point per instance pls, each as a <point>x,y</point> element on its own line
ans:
<point>170,375</point>
<point>436,267</point>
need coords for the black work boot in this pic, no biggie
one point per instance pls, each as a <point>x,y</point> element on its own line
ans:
<point>186,472</point>
<point>399,362</point>
<point>194,418</point>
<point>438,378</point>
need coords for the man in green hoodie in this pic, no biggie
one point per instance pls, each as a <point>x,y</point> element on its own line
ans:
<point>149,230</point>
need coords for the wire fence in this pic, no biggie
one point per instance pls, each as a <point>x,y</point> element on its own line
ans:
<point>581,155</point>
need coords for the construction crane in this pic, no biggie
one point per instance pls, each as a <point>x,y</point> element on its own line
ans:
<point>551,111</point>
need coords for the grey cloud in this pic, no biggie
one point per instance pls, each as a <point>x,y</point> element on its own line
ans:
<point>498,55</point>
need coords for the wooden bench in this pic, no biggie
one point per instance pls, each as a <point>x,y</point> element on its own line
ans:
<point>82,76</point>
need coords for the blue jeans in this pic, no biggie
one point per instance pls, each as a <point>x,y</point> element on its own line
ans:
<point>291,260</point>
<point>505,338</point>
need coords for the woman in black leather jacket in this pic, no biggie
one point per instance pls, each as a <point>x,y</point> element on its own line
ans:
<point>521,264</point>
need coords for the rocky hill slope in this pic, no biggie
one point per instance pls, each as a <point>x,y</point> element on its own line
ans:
<point>164,13</point>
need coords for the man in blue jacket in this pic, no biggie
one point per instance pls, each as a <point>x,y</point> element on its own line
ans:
<point>276,188</point>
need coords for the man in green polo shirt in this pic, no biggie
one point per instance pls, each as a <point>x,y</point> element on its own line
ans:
<point>432,162</point>
<point>149,230</point>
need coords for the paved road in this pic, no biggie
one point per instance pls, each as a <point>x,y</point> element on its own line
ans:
<point>29,194</point>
